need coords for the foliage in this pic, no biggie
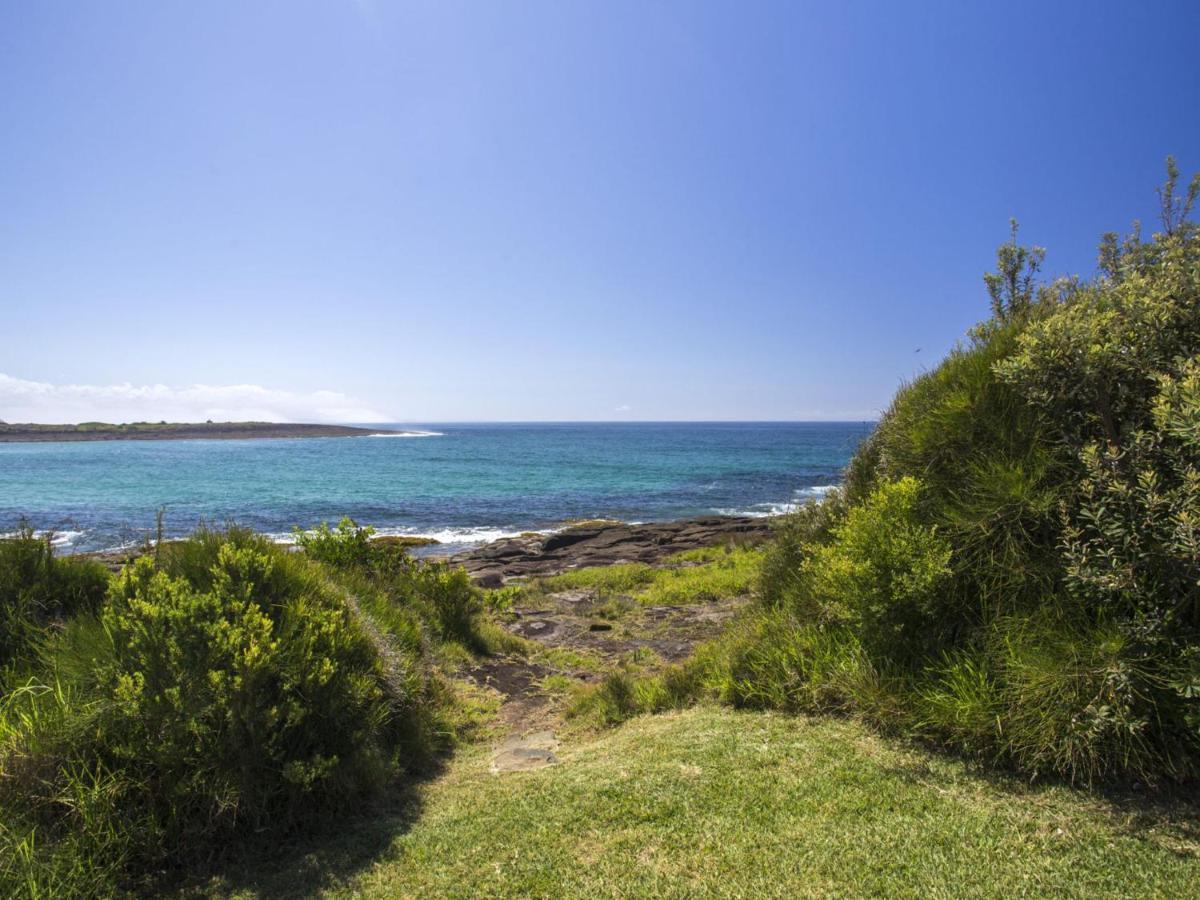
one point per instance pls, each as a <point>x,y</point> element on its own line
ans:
<point>1017,554</point>
<point>347,545</point>
<point>1132,544</point>
<point>247,703</point>
<point>795,537</point>
<point>693,576</point>
<point>36,588</point>
<point>1011,286</point>
<point>230,688</point>
<point>434,592</point>
<point>1076,701</point>
<point>881,573</point>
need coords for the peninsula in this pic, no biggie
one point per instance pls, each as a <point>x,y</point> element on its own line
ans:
<point>177,431</point>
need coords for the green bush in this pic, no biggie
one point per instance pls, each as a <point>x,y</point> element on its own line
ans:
<point>993,477</point>
<point>437,593</point>
<point>1079,701</point>
<point>343,547</point>
<point>248,704</point>
<point>882,574</point>
<point>795,536</point>
<point>1016,555</point>
<point>230,689</point>
<point>36,587</point>
<point>960,703</point>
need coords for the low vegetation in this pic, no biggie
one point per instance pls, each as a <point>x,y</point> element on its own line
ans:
<point>1011,573</point>
<point>694,576</point>
<point>1013,569</point>
<point>225,689</point>
<point>715,802</point>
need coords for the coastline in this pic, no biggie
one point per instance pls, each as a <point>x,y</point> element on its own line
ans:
<point>594,543</point>
<point>183,431</point>
<point>603,544</point>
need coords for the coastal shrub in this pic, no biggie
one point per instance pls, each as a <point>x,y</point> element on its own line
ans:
<point>37,587</point>
<point>992,476</point>
<point>248,704</point>
<point>439,594</point>
<point>1016,553</point>
<point>794,538</point>
<point>960,703</point>
<point>1078,700</point>
<point>347,545</point>
<point>230,689</point>
<point>881,574</point>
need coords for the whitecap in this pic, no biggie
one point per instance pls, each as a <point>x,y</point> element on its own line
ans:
<point>764,510</point>
<point>409,434</point>
<point>63,538</point>
<point>464,535</point>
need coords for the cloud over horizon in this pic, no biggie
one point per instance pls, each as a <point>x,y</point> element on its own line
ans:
<point>39,401</point>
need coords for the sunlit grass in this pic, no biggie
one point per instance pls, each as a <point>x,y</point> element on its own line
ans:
<point>695,576</point>
<point>715,802</point>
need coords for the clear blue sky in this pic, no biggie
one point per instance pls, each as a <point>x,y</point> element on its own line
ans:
<point>560,210</point>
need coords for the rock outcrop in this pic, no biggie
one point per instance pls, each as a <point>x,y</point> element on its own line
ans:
<point>603,544</point>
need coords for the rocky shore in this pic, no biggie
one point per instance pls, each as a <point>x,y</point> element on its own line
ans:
<point>579,546</point>
<point>603,544</point>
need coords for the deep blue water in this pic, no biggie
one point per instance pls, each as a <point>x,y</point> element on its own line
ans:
<point>465,484</point>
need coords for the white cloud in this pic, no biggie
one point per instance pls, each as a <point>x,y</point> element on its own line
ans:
<point>39,401</point>
<point>624,407</point>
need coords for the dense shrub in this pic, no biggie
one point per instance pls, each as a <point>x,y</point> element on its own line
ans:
<point>991,477</point>
<point>1013,569</point>
<point>36,588</point>
<point>882,573</point>
<point>249,700</point>
<point>228,688</point>
<point>343,547</point>
<point>794,538</point>
<point>435,592</point>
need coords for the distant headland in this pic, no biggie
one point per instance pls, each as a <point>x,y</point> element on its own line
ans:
<point>178,431</point>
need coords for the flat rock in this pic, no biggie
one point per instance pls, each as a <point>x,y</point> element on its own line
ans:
<point>520,753</point>
<point>492,565</point>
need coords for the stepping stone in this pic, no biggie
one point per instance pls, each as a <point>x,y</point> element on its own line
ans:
<point>582,595</point>
<point>522,753</point>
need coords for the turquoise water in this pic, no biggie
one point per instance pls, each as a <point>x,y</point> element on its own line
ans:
<point>464,484</point>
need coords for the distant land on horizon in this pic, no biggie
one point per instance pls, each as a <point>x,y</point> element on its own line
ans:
<point>177,431</point>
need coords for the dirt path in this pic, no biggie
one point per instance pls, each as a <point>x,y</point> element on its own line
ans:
<point>576,644</point>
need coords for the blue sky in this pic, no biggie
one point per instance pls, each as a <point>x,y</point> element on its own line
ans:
<point>560,210</point>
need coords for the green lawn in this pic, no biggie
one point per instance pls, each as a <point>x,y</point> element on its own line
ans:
<point>718,802</point>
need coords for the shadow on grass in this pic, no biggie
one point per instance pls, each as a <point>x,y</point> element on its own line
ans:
<point>1165,815</point>
<point>323,857</point>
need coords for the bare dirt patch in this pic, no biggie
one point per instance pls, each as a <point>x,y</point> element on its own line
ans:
<point>569,622</point>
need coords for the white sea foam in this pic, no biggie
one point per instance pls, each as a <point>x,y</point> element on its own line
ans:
<point>64,538</point>
<point>817,490</point>
<point>465,535</point>
<point>410,434</point>
<point>763,510</point>
<point>450,535</point>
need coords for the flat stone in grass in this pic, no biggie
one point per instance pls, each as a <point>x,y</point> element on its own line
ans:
<point>522,753</point>
<point>574,597</point>
<point>539,629</point>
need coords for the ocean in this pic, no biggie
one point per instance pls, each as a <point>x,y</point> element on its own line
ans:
<point>461,484</point>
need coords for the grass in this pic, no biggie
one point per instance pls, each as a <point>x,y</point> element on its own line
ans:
<point>695,576</point>
<point>712,801</point>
